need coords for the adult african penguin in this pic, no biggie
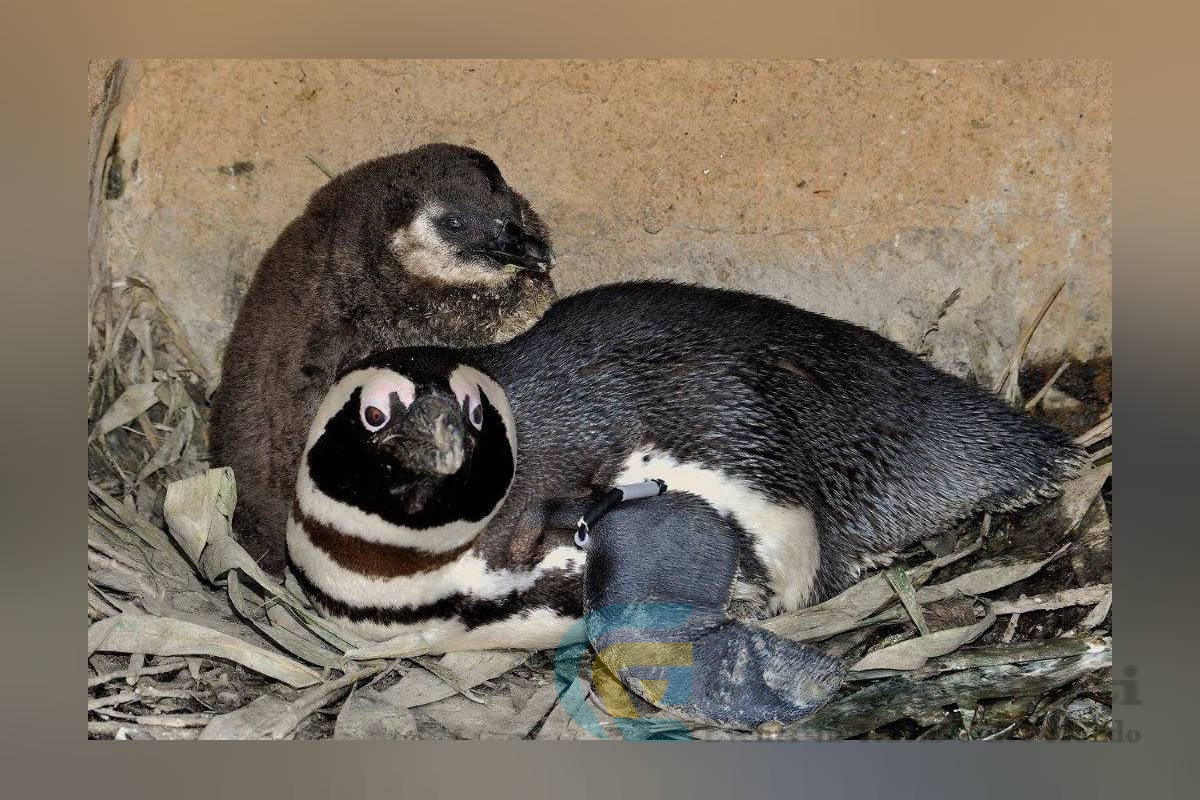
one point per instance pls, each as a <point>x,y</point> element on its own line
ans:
<point>431,246</point>
<point>436,482</point>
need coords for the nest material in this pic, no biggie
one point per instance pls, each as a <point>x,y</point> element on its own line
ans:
<point>997,630</point>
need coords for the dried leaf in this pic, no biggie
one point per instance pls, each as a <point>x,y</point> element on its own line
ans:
<point>252,721</point>
<point>406,645</point>
<point>171,448</point>
<point>139,525</point>
<point>162,636</point>
<point>178,336</point>
<point>852,607</point>
<point>199,514</point>
<point>896,698</point>
<point>279,720</point>
<point>988,579</point>
<point>523,721</point>
<point>1081,491</point>
<point>1018,653</point>
<point>578,702</point>
<point>200,507</point>
<point>1082,596</point>
<point>465,719</point>
<point>369,714</point>
<point>135,400</point>
<point>111,346</point>
<point>470,668</point>
<point>913,653</point>
<point>899,580</point>
<point>307,647</point>
<point>1097,614</point>
<point>140,328</point>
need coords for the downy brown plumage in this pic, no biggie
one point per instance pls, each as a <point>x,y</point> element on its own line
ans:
<point>431,246</point>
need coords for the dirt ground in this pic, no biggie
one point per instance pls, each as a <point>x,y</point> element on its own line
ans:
<point>941,203</point>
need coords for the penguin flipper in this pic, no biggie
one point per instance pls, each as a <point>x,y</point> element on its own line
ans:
<point>659,579</point>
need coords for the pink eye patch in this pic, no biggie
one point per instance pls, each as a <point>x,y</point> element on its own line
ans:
<point>467,390</point>
<point>375,402</point>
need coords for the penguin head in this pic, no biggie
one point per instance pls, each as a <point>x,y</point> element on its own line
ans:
<point>412,448</point>
<point>443,213</point>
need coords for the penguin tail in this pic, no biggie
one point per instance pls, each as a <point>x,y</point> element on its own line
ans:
<point>1043,459</point>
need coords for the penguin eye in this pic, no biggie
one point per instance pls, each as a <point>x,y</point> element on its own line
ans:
<point>474,407</point>
<point>377,396</point>
<point>374,418</point>
<point>468,392</point>
<point>452,223</point>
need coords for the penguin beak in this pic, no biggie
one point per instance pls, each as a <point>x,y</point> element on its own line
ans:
<point>512,244</point>
<point>432,438</point>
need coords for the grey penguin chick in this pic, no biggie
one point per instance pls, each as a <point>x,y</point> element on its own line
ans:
<point>431,246</point>
<point>826,444</point>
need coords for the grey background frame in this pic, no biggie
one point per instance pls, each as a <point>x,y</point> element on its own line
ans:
<point>1155,258</point>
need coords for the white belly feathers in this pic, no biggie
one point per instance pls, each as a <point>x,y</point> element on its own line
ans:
<point>785,536</point>
<point>468,574</point>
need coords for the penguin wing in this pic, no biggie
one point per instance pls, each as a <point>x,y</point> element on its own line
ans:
<point>659,578</point>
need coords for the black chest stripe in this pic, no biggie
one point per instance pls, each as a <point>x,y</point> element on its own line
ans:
<point>372,558</point>
<point>557,590</point>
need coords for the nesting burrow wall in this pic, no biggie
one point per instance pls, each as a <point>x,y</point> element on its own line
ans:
<point>870,191</point>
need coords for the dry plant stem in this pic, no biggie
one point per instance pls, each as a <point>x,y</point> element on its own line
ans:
<point>1083,596</point>
<point>996,655</point>
<point>319,696</point>
<point>1000,733</point>
<point>180,339</point>
<point>1008,382</point>
<point>1100,432</point>
<point>120,86</point>
<point>99,603</point>
<point>1011,630</point>
<point>112,342</point>
<point>136,579</point>
<point>145,691</point>
<point>1097,614</point>
<point>114,729</point>
<point>113,700</point>
<point>148,429</point>
<point>1033,401</point>
<point>136,662</point>
<point>899,580</point>
<point>313,160</point>
<point>892,699</point>
<point>163,720</point>
<point>447,677</point>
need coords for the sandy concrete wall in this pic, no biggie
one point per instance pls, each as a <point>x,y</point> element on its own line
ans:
<point>865,190</point>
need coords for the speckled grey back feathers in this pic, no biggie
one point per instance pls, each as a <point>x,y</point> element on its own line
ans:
<point>882,447</point>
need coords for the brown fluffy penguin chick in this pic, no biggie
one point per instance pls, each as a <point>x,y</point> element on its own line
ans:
<point>428,247</point>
